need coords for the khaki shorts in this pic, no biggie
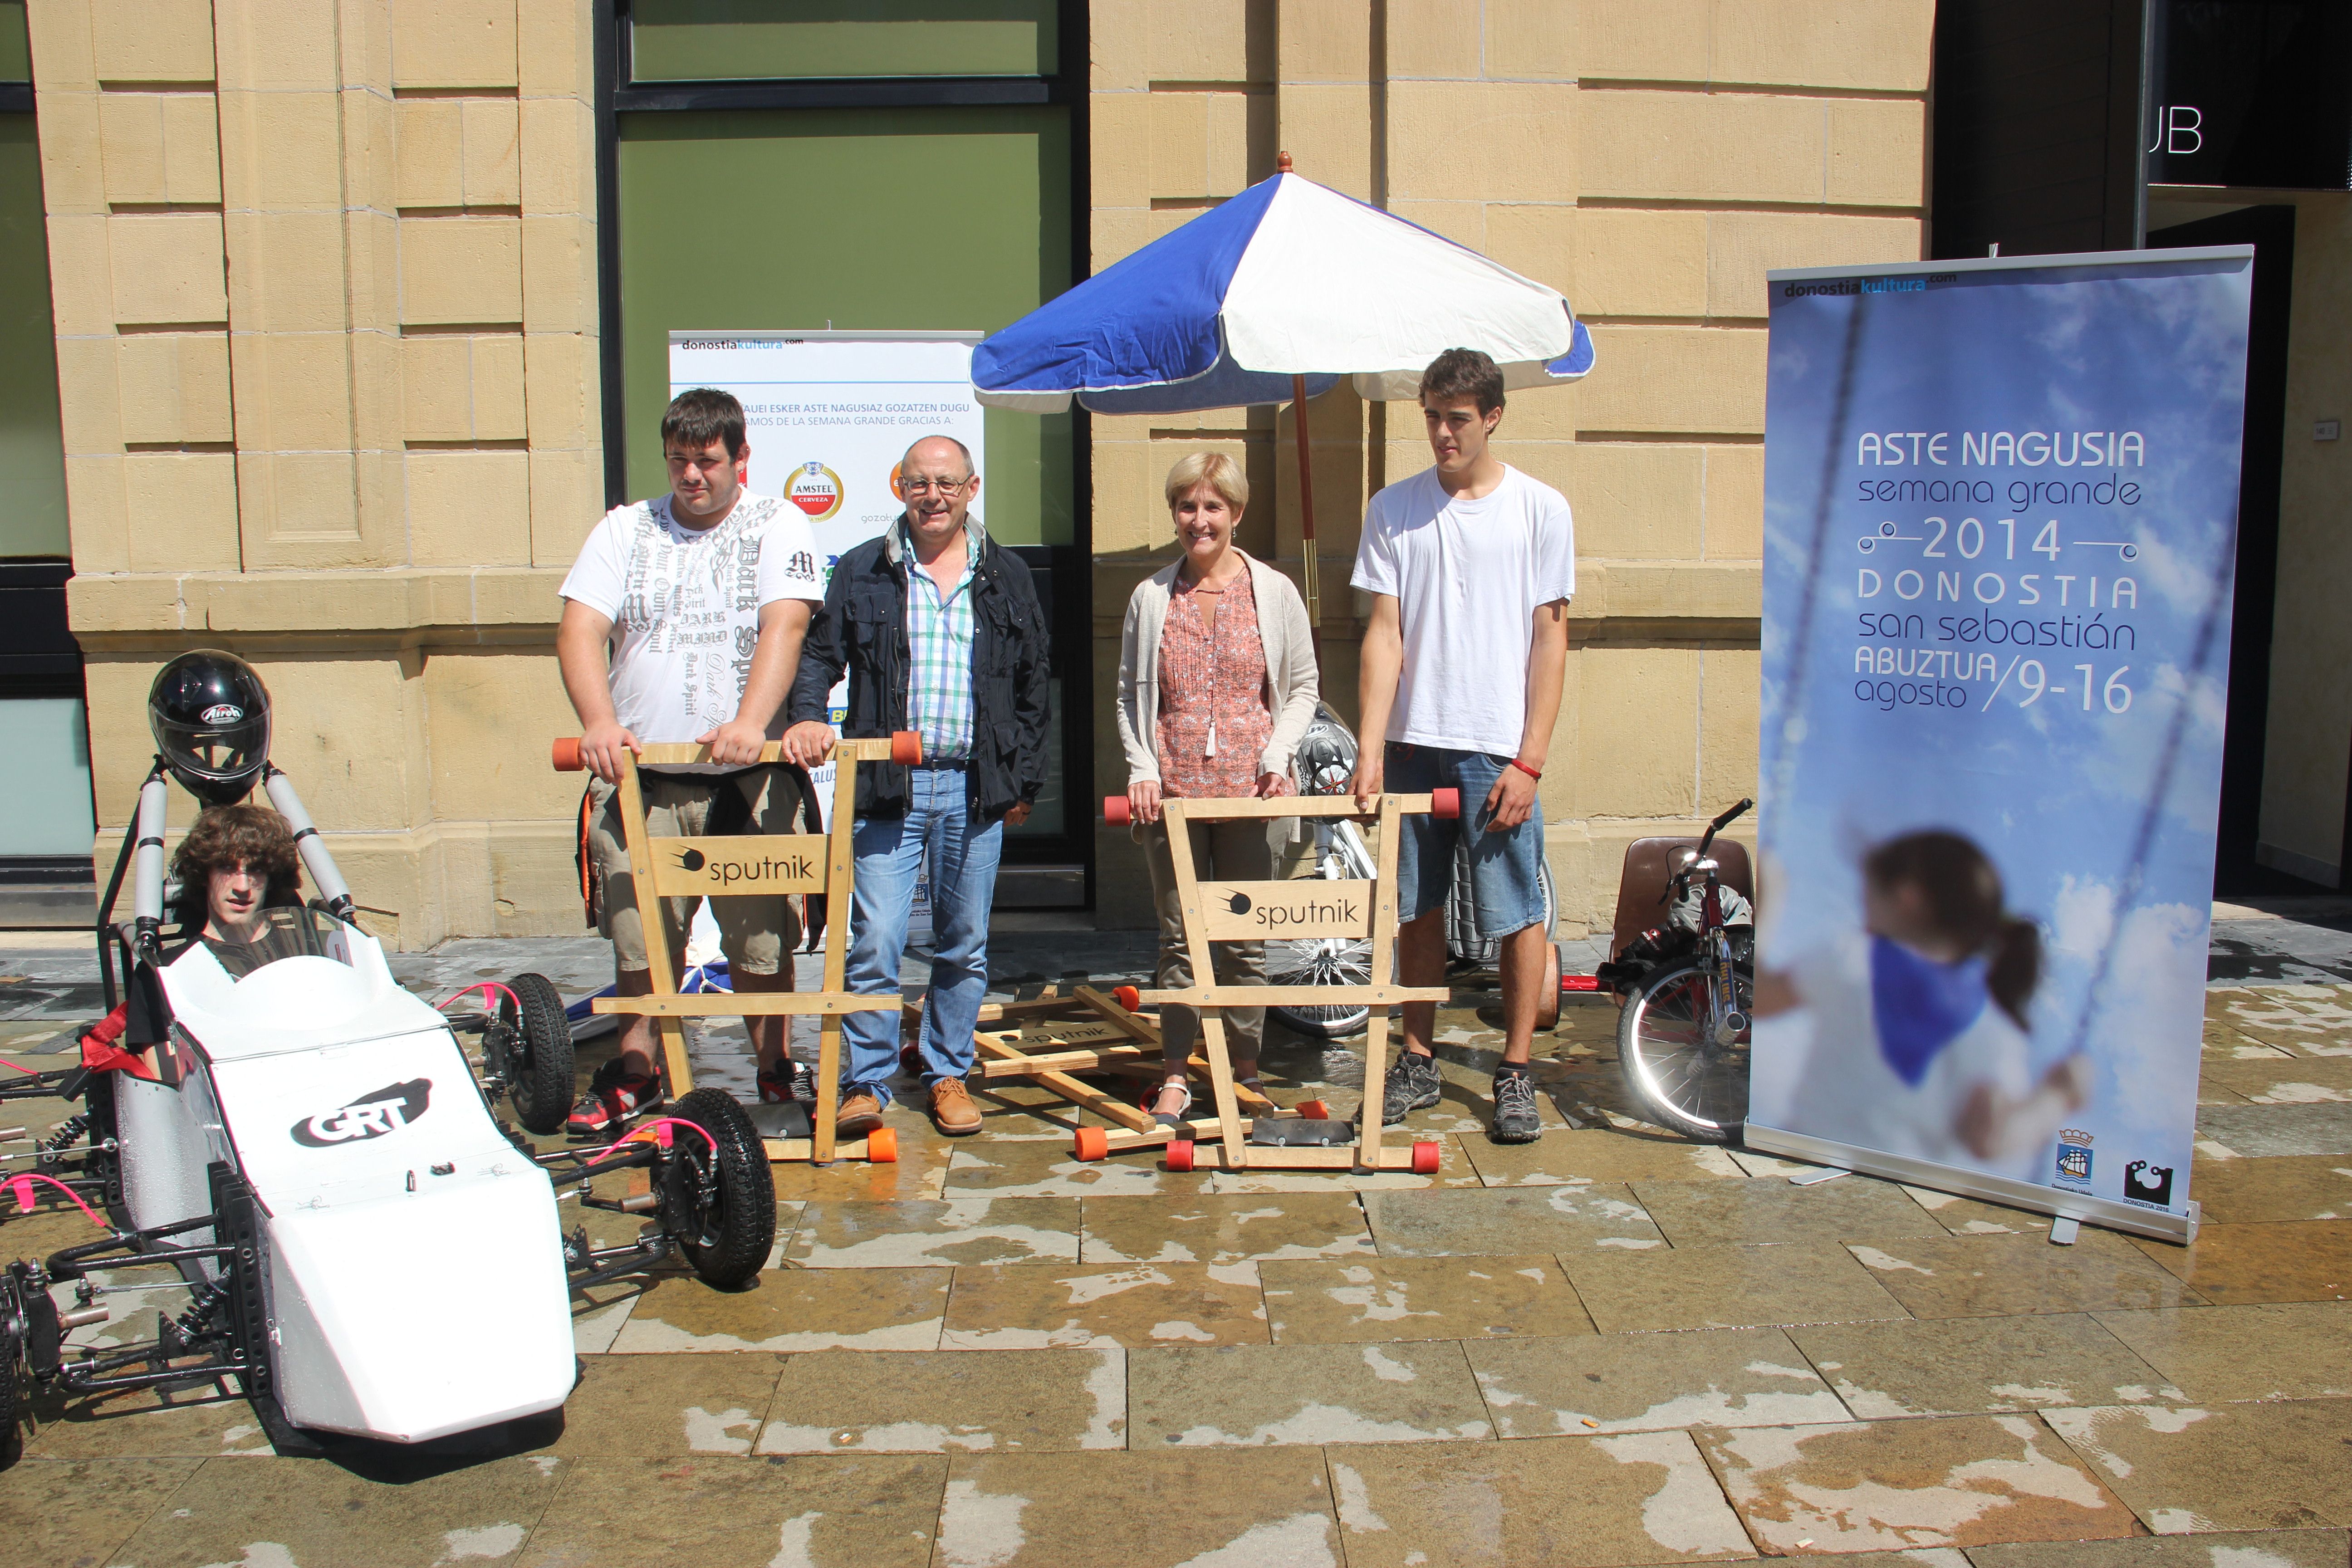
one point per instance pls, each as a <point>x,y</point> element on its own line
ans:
<point>755,932</point>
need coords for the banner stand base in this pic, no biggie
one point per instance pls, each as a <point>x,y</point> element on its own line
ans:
<point>2061,1206</point>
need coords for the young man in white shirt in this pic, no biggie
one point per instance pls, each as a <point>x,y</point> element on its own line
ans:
<point>1470,564</point>
<point>682,622</point>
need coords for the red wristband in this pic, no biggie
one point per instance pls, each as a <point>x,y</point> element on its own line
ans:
<point>1523,767</point>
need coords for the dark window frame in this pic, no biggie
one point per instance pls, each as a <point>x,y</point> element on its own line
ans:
<point>1071,565</point>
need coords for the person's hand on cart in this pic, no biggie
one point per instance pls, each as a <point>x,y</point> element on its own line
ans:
<point>1273,786</point>
<point>1369,781</point>
<point>808,742</point>
<point>1143,801</point>
<point>601,747</point>
<point>737,743</point>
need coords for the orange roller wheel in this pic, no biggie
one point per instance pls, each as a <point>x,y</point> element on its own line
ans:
<point>1127,996</point>
<point>1445,803</point>
<point>567,754</point>
<point>1314,1111</point>
<point>1425,1159</point>
<point>905,748</point>
<point>1115,810</point>
<point>1179,1153</point>
<point>1092,1143</point>
<point>882,1147</point>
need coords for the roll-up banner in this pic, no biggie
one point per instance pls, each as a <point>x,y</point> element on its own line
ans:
<point>828,414</point>
<point>2001,528</point>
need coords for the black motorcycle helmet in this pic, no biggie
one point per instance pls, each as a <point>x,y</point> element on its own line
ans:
<point>211,717</point>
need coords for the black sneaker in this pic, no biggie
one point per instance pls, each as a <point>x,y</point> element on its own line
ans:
<point>1516,1119</point>
<point>798,1086</point>
<point>1412,1085</point>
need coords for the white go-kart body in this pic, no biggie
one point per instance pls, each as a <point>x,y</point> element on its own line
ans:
<point>413,1263</point>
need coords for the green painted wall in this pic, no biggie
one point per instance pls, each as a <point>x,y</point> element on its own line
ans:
<point>16,43</point>
<point>32,442</point>
<point>771,220</point>
<point>708,40</point>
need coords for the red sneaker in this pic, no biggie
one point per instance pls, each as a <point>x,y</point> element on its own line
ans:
<point>613,1098</point>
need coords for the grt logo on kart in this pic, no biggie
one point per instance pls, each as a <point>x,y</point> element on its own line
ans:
<point>386,1110</point>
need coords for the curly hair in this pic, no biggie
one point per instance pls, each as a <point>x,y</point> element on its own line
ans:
<point>229,836</point>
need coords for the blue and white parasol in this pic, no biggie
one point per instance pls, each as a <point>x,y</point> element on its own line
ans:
<point>1287,280</point>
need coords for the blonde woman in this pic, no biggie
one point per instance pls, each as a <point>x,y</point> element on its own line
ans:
<point>1216,684</point>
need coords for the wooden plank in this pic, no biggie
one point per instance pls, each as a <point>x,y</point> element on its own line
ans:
<point>750,864</point>
<point>1384,960</point>
<point>680,754</point>
<point>840,821</point>
<point>659,969</point>
<point>1136,1028</point>
<point>1178,815</point>
<point>1063,1061</point>
<point>1303,908</point>
<point>747,1003</point>
<point>1299,996</point>
<point>802,1150</point>
<point>1239,809</point>
<point>1071,1089</point>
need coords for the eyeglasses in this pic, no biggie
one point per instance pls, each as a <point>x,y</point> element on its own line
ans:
<point>913,486</point>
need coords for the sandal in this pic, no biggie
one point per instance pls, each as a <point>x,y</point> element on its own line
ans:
<point>1172,1119</point>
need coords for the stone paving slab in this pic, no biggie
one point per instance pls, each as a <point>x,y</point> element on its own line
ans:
<point>1727,1288</point>
<point>1131,1304</point>
<point>209,1422</point>
<point>1508,1221</point>
<point>1556,1503</point>
<point>1373,1300</point>
<point>2284,1187</point>
<point>1209,1507</point>
<point>1769,1208</point>
<point>1879,1485</point>
<point>2293,1128</point>
<point>2233,1264</point>
<point>1637,1383</point>
<point>1225,1229</point>
<point>1973,1366</point>
<point>921,1232</point>
<point>836,1402</point>
<point>649,1406</point>
<point>2272,1465</point>
<point>2289,1352</point>
<point>73,1513</point>
<point>2250,1549</point>
<point>1990,1275</point>
<point>793,1309</point>
<point>1256,1396</point>
<point>855,1512</point>
<point>1580,1157</point>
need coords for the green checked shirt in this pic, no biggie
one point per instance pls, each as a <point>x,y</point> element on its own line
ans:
<point>939,643</point>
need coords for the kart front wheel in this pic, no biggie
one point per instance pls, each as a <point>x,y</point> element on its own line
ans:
<point>541,1069</point>
<point>718,1198</point>
<point>12,1330</point>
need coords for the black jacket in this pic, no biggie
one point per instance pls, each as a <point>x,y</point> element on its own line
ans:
<point>862,627</point>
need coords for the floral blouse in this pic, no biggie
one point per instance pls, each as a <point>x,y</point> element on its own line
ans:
<point>1213,720</point>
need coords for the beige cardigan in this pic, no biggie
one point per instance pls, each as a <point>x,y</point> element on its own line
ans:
<point>1292,688</point>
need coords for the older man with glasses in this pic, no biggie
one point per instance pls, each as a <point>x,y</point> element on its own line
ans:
<point>941,632</point>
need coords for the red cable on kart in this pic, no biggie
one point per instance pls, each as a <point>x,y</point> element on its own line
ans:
<point>486,987</point>
<point>20,1187</point>
<point>658,1128</point>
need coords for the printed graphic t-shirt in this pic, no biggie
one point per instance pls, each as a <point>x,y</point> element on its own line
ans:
<point>1467,577</point>
<point>686,606</point>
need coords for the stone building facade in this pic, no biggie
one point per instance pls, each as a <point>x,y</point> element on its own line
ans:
<point>326,301</point>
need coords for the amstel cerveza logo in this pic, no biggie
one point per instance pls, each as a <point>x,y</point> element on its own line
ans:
<point>372,1115</point>
<point>815,490</point>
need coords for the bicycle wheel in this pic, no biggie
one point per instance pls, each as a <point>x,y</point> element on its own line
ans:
<point>1322,960</point>
<point>1689,1082</point>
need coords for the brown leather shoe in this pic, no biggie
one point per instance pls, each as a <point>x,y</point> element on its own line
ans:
<point>860,1115</point>
<point>952,1108</point>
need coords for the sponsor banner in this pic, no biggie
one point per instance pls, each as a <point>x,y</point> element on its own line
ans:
<point>2001,503</point>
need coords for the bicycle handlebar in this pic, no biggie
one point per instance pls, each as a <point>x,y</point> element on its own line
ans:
<point>1720,822</point>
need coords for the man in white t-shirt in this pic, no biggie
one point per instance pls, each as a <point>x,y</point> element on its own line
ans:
<point>1470,564</point>
<point>682,622</point>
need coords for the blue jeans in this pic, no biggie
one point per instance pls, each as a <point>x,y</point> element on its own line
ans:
<point>1505,865</point>
<point>938,833</point>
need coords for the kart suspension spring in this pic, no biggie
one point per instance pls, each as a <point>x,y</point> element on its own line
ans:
<point>201,1307</point>
<point>68,1132</point>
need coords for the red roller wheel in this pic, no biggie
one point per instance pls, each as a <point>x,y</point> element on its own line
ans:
<point>1425,1159</point>
<point>1115,810</point>
<point>905,748</point>
<point>1127,996</point>
<point>1445,803</point>
<point>910,1060</point>
<point>1179,1153</point>
<point>566,756</point>
<point>882,1146</point>
<point>1547,998</point>
<point>1092,1143</point>
<point>1314,1111</point>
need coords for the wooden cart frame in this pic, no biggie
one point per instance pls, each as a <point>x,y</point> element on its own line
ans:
<point>1251,912</point>
<point>715,867</point>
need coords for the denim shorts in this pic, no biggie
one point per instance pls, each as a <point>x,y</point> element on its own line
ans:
<point>1505,865</point>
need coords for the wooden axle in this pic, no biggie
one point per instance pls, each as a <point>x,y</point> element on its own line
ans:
<point>1299,996</point>
<point>747,1003</point>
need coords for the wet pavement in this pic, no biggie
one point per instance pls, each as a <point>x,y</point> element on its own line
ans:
<point>1609,1347</point>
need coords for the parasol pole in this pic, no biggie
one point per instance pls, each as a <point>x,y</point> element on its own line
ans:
<point>1309,578</point>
